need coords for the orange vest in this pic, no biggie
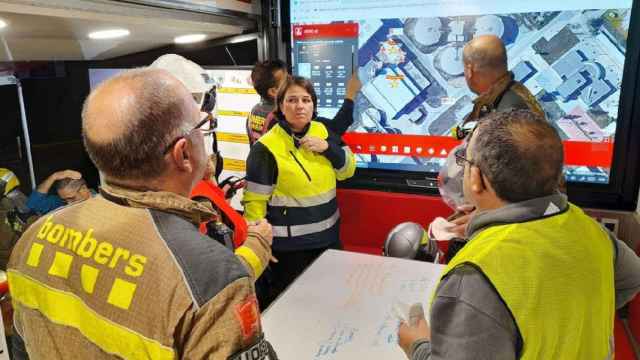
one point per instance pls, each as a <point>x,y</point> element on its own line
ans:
<point>209,190</point>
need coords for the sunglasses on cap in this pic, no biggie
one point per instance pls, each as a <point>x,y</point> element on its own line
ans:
<point>208,104</point>
<point>207,99</point>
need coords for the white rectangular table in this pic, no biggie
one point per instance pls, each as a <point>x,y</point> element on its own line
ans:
<point>341,307</point>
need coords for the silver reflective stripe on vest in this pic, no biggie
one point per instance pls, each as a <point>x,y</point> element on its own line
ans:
<point>299,230</point>
<point>288,201</point>
<point>612,347</point>
<point>7,177</point>
<point>259,188</point>
<point>347,159</point>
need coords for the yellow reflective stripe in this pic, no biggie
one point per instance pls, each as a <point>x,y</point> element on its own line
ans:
<point>234,165</point>
<point>252,259</point>
<point>349,167</point>
<point>232,90</point>
<point>242,114</point>
<point>232,138</point>
<point>67,309</point>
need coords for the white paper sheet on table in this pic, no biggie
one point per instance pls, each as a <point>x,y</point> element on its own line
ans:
<point>342,307</point>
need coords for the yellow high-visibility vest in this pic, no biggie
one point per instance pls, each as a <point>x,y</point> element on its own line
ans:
<point>302,201</point>
<point>556,277</point>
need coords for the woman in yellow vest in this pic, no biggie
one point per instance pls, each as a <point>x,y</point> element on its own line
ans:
<point>291,181</point>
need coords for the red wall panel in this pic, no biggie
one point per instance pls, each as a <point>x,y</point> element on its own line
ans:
<point>368,216</point>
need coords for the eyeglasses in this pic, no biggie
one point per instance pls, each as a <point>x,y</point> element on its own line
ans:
<point>209,101</point>
<point>213,123</point>
<point>72,198</point>
<point>460,157</point>
<point>208,104</point>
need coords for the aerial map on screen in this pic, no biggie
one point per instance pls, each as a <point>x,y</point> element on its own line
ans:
<point>571,56</point>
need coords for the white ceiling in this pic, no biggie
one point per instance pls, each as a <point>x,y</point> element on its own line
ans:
<point>57,29</point>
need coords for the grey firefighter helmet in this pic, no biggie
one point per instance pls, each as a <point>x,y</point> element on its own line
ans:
<point>408,240</point>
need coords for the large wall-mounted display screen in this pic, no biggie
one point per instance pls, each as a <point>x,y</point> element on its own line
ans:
<point>408,54</point>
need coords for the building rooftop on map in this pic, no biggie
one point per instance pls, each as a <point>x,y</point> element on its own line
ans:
<point>428,31</point>
<point>569,64</point>
<point>554,49</point>
<point>597,92</point>
<point>427,34</point>
<point>524,71</point>
<point>573,85</point>
<point>583,76</point>
<point>416,76</point>
<point>489,25</point>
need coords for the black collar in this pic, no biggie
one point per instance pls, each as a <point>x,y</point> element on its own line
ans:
<point>298,135</point>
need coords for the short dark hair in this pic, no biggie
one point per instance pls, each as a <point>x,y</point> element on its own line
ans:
<point>295,81</point>
<point>69,183</point>
<point>156,116</point>
<point>520,153</point>
<point>262,76</point>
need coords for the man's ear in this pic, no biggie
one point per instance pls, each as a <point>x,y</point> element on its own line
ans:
<point>273,92</point>
<point>470,70</point>
<point>487,186</point>
<point>476,180</point>
<point>181,155</point>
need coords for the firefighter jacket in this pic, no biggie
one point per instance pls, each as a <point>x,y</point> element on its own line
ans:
<point>127,275</point>
<point>506,94</point>
<point>294,188</point>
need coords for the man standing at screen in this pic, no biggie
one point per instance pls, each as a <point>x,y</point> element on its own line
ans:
<point>487,75</point>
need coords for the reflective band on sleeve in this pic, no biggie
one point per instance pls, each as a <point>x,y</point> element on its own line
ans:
<point>348,162</point>
<point>251,258</point>
<point>259,188</point>
<point>299,230</point>
<point>281,200</point>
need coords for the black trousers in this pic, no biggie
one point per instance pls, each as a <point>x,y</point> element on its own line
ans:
<point>278,276</point>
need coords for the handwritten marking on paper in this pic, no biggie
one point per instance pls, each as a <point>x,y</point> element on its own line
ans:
<point>387,331</point>
<point>341,335</point>
<point>367,280</point>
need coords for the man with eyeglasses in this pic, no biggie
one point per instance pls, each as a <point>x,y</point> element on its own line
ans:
<point>70,188</point>
<point>538,279</point>
<point>126,274</point>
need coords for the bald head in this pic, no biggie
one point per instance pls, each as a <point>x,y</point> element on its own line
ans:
<point>486,53</point>
<point>129,119</point>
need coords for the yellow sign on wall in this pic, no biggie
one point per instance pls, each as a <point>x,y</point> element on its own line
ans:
<point>235,165</point>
